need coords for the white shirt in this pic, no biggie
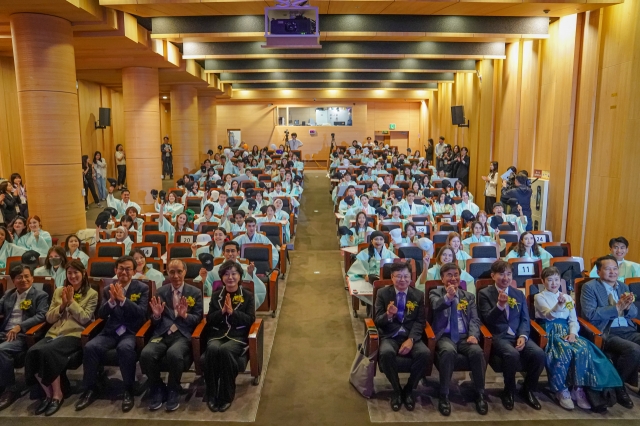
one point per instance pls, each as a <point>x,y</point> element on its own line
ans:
<point>613,295</point>
<point>547,307</point>
<point>16,314</point>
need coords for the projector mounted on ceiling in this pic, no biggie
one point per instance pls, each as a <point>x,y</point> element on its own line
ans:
<point>291,25</point>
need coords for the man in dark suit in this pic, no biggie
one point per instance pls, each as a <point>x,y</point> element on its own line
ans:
<point>608,305</point>
<point>400,320</point>
<point>124,312</point>
<point>504,311</point>
<point>22,308</point>
<point>177,310</point>
<point>456,325</point>
<point>167,158</point>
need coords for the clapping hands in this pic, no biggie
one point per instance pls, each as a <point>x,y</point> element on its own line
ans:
<point>116,293</point>
<point>227,309</point>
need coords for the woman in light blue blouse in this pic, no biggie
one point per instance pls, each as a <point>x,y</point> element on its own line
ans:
<point>72,246</point>
<point>54,266</point>
<point>37,239</point>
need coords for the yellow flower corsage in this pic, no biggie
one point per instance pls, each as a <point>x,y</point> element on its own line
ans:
<point>237,299</point>
<point>462,306</point>
<point>629,293</point>
<point>134,297</point>
<point>410,306</point>
<point>569,305</point>
<point>191,302</point>
<point>512,302</point>
<point>77,297</point>
<point>25,304</point>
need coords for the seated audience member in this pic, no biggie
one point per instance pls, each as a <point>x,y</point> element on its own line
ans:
<point>7,248</point>
<point>619,247</point>
<point>72,246</point>
<point>207,216</point>
<point>72,309</point>
<point>21,308</point>
<point>212,281</point>
<point>237,226</point>
<point>143,270</point>
<point>400,320</point>
<point>408,206</point>
<point>364,207</point>
<point>504,311</point>
<point>121,205</point>
<point>478,236</point>
<point>121,236</point>
<point>171,206</point>
<point>253,237</point>
<point>572,361</point>
<point>231,313</point>
<point>176,311</point>
<point>445,255</point>
<point>456,325</point>
<point>54,266</point>
<point>608,304</point>
<point>271,217</point>
<point>443,204</point>
<point>455,242</point>
<point>37,239</point>
<point>519,221</point>
<point>358,232</point>
<point>529,248</point>
<point>124,311</point>
<point>204,244</point>
<point>367,264</point>
<point>396,214</point>
<point>465,204</point>
<point>19,232</point>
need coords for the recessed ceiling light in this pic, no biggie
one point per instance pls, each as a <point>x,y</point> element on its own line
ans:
<point>164,97</point>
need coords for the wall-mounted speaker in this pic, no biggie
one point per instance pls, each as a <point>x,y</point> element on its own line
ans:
<point>104,118</point>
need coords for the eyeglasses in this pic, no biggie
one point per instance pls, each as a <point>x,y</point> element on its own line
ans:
<point>127,270</point>
<point>401,277</point>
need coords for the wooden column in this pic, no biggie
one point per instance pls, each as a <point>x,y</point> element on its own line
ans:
<point>207,120</point>
<point>184,129</point>
<point>142,133</point>
<point>48,104</point>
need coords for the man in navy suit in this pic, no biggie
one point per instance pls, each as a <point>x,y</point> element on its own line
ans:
<point>504,311</point>
<point>124,312</point>
<point>22,308</point>
<point>608,304</point>
<point>176,312</point>
<point>400,320</point>
<point>456,325</point>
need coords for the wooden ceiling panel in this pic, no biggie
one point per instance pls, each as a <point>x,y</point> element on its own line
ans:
<point>358,7</point>
<point>477,8</point>
<point>416,7</point>
<point>556,10</point>
<point>89,10</point>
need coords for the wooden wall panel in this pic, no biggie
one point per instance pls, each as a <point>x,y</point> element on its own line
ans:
<point>11,159</point>
<point>117,123</point>
<point>89,103</point>
<point>207,135</point>
<point>165,120</point>
<point>508,113</point>
<point>184,128</point>
<point>485,125</point>
<point>529,104</point>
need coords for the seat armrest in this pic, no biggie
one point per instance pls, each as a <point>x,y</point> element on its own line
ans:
<point>283,259</point>
<point>256,349</point>
<point>539,335</point>
<point>374,339</point>
<point>92,331</point>
<point>36,333</point>
<point>273,291</point>
<point>143,335</point>
<point>196,345</point>
<point>487,340</point>
<point>592,333</point>
<point>431,344</point>
<point>636,321</point>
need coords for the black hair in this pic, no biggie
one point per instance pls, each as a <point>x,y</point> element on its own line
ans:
<point>231,243</point>
<point>399,266</point>
<point>621,240</point>
<point>601,260</point>
<point>123,259</point>
<point>230,264</point>
<point>19,269</point>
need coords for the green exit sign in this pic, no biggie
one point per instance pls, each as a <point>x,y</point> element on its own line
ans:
<point>385,132</point>
<point>392,126</point>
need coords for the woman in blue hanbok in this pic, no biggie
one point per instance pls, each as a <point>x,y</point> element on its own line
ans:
<point>528,247</point>
<point>54,266</point>
<point>367,264</point>
<point>7,248</point>
<point>72,248</point>
<point>19,232</point>
<point>360,229</point>
<point>37,239</point>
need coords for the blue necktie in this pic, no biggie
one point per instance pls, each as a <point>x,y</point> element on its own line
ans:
<point>453,322</point>
<point>400,303</point>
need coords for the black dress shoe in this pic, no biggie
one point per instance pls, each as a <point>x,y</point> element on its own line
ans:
<point>86,399</point>
<point>212,404</point>
<point>623,397</point>
<point>42,407</point>
<point>53,407</point>
<point>223,406</point>
<point>7,398</point>
<point>507,400</point>
<point>396,402</point>
<point>530,399</point>
<point>127,401</point>
<point>444,406</point>
<point>409,401</point>
<point>481,405</point>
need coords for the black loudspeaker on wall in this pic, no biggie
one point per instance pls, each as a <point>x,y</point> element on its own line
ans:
<point>104,118</point>
<point>457,115</point>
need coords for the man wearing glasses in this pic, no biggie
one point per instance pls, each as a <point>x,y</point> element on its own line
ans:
<point>400,320</point>
<point>124,311</point>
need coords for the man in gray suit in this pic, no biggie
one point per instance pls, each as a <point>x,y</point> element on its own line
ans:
<point>22,308</point>
<point>456,325</point>
<point>608,305</point>
<point>177,310</point>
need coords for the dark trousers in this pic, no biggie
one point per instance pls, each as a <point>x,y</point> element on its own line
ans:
<point>488,203</point>
<point>176,348</point>
<point>49,358</point>
<point>90,186</point>
<point>8,353</point>
<point>122,174</point>
<point>389,363</point>
<point>531,357</point>
<point>167,165</point>
<point>221,368</point>
<point>97,347</point>
<point>624,343</point>
<point>447,352</point>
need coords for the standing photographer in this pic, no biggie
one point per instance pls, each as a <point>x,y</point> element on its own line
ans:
<point>294,143</point>
<point>520,195</point>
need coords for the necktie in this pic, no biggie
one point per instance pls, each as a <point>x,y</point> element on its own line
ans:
<point>176,302</point>
<point>401,304</point>
<point>453,322</point>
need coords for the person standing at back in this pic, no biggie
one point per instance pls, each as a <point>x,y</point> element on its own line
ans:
<point>294,143</point>
<point>167,158</point>
<point>121,165</point>
<point>520,195</point>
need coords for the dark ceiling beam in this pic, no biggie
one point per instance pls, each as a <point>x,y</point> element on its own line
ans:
<point>398,77</point>
<point>361,23</point>
<point>334,85</point>
<point>338,64</point>
<point>193,50</point>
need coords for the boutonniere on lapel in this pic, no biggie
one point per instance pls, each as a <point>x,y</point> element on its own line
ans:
<point>629,294</point>
<point>513,303</point>
<point>410,306</point>
<point>134,297</point>
<point>77,297</point>
<point>191,302</point>
<point>25,304</point>
<point>237,299</point>
<point>569,305</point>
<point>462,306</point>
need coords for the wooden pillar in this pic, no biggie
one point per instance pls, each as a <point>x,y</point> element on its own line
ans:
<point>48,104</point>
<point>184,129</point>
<point>140,92</point>
<point>207,120</point>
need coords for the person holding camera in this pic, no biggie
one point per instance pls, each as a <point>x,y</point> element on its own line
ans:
<point>167,158</point>
<point>519,196</point>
